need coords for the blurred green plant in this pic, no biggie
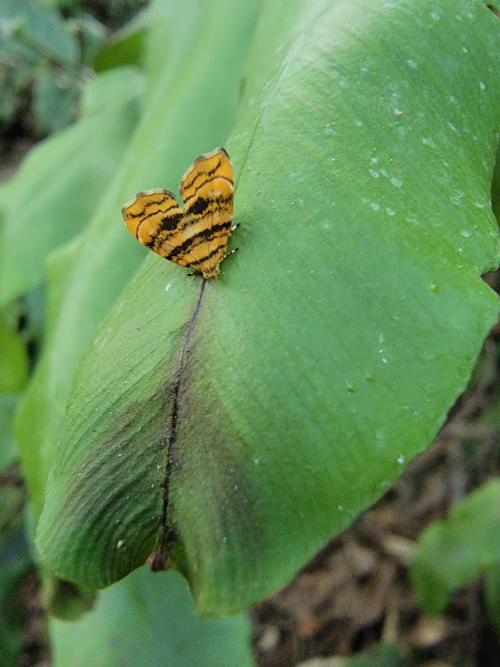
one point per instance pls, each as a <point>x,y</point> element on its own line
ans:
<point>146,620</point>
<point>460,548</point>
<point>331,348</point>
<point>466,544</point>
<point>384,655</point>
<point>15,563</point>
<point>13,376</point>
<point>47,50</point>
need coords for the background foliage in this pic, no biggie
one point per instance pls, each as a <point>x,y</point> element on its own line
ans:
<point>339,335</point>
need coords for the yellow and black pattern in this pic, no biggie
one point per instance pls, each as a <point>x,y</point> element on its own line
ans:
<point>196,235</point>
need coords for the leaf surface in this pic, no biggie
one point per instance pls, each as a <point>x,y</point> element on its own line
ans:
<point>278,402</point>
<point>148,620</point>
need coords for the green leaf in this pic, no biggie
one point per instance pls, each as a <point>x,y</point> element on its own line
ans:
<point>92,35</point>
<point>55,97</point>
<point>492,593</point>
<point>384,655</point>
<point>14,564</point>
<point>8,404</point>
<point>126,45</point>
<point>148,620</point>
<point>284,398</point>
<point>111,89</point>
<point>452,552</point>
<point>495,187</point>
<point>40,27</point>
<point>13,358</point>
<point>13,377</point>
<point>64,600</point>
<point>56,190</point>
<point>87,275</point>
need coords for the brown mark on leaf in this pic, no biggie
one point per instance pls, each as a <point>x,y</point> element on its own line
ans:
<point>213,459</point>
<point>158,559</point>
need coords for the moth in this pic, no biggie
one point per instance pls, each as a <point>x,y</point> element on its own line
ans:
<point>195,235</point>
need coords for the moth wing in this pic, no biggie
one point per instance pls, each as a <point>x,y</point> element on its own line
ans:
<point>196,235</point>
<point>152,217</point>
<point>217,245</point>
<point>206,168</point>
<point>207,189</point>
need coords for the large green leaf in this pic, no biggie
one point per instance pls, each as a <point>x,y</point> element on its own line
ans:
<point>144,621</point>
<point>55,191</point>
<point>240,424</point>
<point>463,546</point>
<point>190,103</point>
